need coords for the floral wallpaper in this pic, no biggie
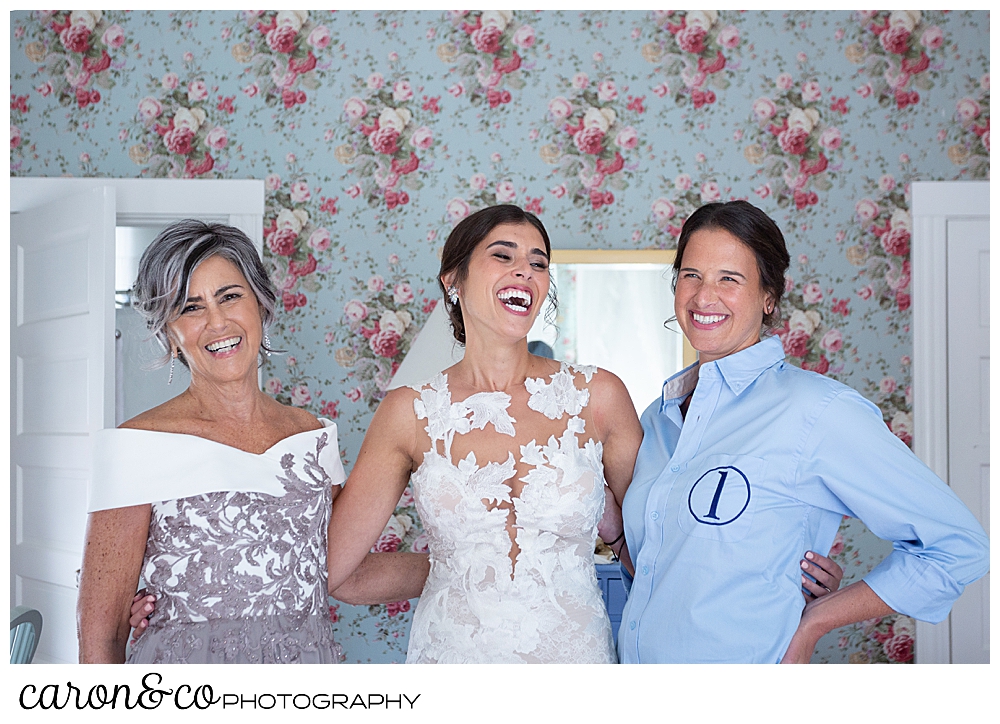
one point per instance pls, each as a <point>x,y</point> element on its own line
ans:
<point>376,132</point>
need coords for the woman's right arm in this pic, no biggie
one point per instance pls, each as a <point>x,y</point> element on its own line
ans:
<point>112,559</point>
<point>372,490</point>
<point>385,578</point>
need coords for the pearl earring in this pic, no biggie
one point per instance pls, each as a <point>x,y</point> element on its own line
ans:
<point>453,295</point>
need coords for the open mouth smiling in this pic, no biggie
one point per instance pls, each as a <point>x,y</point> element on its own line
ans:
<point>516,300</point>
<point>708,320</point>
<point>224,345</point>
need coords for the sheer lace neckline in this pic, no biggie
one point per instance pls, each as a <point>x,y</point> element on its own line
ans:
<point>553,398</point>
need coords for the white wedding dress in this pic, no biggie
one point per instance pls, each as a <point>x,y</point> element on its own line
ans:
<point>511,526</point>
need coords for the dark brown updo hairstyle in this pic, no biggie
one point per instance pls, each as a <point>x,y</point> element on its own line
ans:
<point>464,239</point>
<point>757,231</point>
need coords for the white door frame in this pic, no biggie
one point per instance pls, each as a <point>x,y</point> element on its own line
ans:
<point>153,200</point>
<point>932,203</point>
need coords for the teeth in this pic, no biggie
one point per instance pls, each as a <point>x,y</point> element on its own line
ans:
<point>517,299</point>
<point>223,344</point>
<point>707,318</point>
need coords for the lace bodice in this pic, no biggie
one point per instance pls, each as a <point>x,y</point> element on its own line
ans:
<point>238,564</point>
<point>511,540</point>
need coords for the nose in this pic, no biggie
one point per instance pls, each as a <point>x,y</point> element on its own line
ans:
<point>523,269</point>
<point>216,318</point>
<point>705,295</point>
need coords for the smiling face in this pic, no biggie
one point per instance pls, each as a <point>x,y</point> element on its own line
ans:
<point>719,300</point>
<point>219,327</point>
<point>507,282</point>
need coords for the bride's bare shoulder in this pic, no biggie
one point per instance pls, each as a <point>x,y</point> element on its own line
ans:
<point>607,389</point>
<point>398,403</point>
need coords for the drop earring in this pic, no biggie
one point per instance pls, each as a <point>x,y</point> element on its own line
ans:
<point>453,295</point>
<point>170,379</point>
<point>267,345</point>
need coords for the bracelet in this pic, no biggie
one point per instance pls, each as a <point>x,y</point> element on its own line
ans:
<point>616,539</point>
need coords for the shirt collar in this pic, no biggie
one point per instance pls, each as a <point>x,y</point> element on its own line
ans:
<point>739,370</point>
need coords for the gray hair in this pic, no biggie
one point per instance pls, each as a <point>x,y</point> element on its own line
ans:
<point>165,269</point>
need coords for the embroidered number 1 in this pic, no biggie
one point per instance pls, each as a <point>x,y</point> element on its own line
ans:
<point>718,493</point>
<point>719,496</point>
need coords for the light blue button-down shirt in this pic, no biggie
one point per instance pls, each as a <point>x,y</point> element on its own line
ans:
<point>724,503</point>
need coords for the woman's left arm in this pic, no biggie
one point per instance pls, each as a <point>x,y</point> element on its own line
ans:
<point>620,433</point>
<point>856,602</point>
<point>851,463</point>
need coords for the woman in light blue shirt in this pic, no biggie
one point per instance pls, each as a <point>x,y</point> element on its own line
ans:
<point>747,460</point>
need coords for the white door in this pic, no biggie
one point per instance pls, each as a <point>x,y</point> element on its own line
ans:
<point>62,342</point>
<point>951,380</point>
<point>969,414</point>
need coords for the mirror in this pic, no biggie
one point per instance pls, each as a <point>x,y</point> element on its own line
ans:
<point>612,305</point>
<point>138,386</point>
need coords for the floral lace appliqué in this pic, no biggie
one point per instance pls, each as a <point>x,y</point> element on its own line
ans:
<point>476,605</point>
<point>559,396</point>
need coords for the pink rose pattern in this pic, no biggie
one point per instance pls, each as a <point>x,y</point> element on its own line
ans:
<point>80,55</point>
<point>696,54</point>
<point>177,131</point>
<point>850,299</point>
<point>591,137</point>
<point>969,131</point>
<point>20,143</point>
<point>678,199</point>
<point>480,190</point>
<point>388,144</point>
<point>299,251</point>
<point>489,53</point>
<point>900,53</point>
<point>811,321</point>
<point>796,144</point>
<point>877,243</point>
<point>378,324</point>
<point>285,52</point>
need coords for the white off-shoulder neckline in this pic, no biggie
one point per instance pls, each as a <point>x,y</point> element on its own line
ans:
<point>134,467</point>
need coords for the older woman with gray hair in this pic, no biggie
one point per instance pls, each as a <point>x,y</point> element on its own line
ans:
<point>221,496</point>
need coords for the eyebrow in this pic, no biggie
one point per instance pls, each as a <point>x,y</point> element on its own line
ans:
<point>727,272</point>
<point>512,245</point>
<point>219,291</point>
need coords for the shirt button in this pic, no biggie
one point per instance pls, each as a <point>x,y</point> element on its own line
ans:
<point>655,515</point>
<point>675,468</point>
<point>631,625</point>
<point>645,570</point>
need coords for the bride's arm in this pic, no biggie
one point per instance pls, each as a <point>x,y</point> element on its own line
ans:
<point>369,497</point>
<point>621,434</point>
<point>384,578</point>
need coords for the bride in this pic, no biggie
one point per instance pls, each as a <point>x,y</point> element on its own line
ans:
<point>508,455</point>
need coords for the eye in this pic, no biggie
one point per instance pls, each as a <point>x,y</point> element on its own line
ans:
<point>231,295</point>
<point>501,255</point>
<point>540,265</point>
<point>190,308</point>
<point>729,279</point>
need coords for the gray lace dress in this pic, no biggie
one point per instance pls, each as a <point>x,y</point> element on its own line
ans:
<point>239,574</point>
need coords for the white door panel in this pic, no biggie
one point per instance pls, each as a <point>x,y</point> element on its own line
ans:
<point>62,269</point>
<point>969,414</point>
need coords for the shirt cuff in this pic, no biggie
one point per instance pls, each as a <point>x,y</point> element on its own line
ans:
<point>914,586</point>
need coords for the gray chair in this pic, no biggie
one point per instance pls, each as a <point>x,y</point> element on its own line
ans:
<point>25,629</point>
